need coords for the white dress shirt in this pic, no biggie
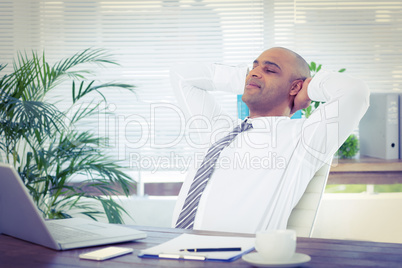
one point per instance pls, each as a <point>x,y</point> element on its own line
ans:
<point>263,173</point>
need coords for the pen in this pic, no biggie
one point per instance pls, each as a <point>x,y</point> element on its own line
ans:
<point>210,249</point>
<point>178,256</point>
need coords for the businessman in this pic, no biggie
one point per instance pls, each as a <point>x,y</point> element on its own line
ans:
<point>254,172</point>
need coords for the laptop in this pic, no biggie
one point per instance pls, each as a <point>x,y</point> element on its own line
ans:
<point>20,218</point>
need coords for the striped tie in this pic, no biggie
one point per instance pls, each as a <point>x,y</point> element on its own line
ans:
<point>187,214</point>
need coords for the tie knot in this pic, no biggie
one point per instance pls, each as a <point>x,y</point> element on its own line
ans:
<point>245,126</point>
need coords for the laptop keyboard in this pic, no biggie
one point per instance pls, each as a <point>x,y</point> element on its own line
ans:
<point>63,233</point>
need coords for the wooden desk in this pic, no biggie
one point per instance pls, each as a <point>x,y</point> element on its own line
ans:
<point>366,170</point>
<point>15,253</point>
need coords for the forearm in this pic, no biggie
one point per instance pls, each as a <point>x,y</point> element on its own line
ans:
<point>192,83</point>
<point>209,77</point>
<point>346,101</point>
<point>327,86</point>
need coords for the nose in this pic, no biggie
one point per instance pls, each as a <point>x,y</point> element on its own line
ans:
<point>255,72</point>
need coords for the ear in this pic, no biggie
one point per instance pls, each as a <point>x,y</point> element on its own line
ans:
<point>296,86</point>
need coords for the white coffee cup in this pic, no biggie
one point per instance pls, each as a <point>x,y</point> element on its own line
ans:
<point>276,245</point>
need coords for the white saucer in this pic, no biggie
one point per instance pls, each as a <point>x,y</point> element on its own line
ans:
<point>255,259</point>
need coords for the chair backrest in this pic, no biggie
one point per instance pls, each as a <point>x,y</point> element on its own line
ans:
<point>303,215</point>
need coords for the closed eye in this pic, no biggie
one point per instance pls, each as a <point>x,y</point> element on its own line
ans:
<point>267,70</point>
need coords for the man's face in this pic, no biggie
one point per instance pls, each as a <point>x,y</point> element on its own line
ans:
<point>269,82</point>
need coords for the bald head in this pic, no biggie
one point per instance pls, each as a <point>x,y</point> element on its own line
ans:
<point>277,75</point>
<point>299,67</point>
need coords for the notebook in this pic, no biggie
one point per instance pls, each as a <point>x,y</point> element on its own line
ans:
<point>20,218</point>
<point>184,247</point>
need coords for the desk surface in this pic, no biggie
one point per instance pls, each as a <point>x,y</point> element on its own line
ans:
<point>324,253</point>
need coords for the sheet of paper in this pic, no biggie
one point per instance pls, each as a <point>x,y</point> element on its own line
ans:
<point>187,241</point>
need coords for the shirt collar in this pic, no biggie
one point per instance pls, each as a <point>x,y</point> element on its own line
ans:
<point>265,121</point>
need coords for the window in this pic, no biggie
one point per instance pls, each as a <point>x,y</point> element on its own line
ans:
<point>362,36</point>
<point>147,37</point>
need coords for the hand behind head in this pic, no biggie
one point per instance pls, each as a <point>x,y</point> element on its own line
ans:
<point>301,99</point>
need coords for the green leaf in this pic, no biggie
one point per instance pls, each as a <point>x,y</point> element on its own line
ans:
<point>45,150</point>
<point>313,66</point>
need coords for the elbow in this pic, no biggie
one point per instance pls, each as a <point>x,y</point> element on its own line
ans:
<point>357,98</point>
<point>361,92</point>
<point>355,91</point>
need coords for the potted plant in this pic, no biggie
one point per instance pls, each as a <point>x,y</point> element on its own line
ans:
<point>40,140</point>
<point>349,148</point>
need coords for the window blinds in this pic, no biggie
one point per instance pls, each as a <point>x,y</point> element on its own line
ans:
<point>147,37</point>
<point>364,37</point>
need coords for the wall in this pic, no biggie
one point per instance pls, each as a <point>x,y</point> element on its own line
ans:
<point>374,217</point>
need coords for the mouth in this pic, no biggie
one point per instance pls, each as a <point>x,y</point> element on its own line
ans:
<point>252,84</point>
